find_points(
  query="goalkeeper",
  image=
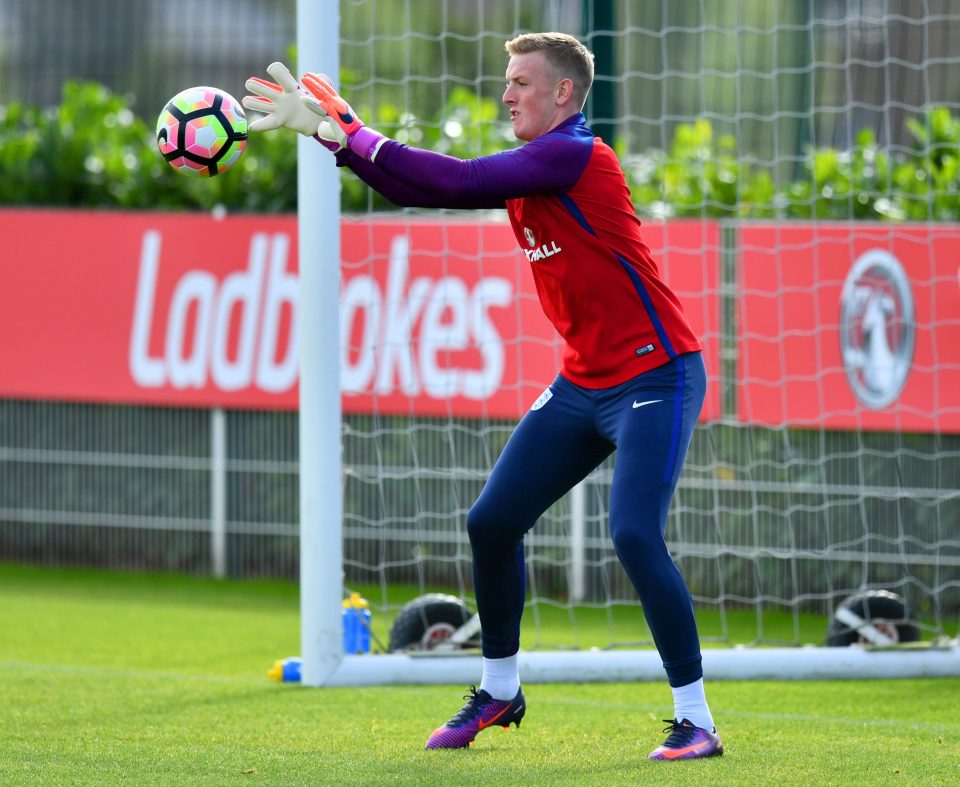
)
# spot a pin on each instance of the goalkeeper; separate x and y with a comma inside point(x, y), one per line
point(632, 377)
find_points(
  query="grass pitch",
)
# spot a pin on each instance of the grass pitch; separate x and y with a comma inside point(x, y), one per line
point(144, 679)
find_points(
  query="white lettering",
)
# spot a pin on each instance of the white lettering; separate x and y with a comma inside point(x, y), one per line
point(542, 252)
point(488, 293)
point(403, 308)
point(360, 299)
point(241, 289)
point(282, 287)
point(402, 337)
point(189, 370)
point(439, 337)
point(147, 371)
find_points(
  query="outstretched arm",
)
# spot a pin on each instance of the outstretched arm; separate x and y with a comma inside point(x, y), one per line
point(551, 163)
point(281, 107)
point(402, 193)
point(407, 176)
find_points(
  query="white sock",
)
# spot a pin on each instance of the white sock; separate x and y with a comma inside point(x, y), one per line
point(690, 702)
point(501, 678)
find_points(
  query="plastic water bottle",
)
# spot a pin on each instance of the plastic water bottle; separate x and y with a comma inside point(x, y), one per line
point(356, 624)
point(286, 670)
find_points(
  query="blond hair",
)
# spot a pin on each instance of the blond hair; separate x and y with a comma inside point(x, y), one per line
point(566, 55)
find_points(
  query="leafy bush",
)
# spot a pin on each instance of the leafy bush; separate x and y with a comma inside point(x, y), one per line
point(700, 176)
point(92, 151)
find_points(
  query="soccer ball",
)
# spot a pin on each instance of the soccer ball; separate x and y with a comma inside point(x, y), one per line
point(202, 131)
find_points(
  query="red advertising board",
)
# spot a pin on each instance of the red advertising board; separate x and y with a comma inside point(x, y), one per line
point(437, 317)
point(850, 326)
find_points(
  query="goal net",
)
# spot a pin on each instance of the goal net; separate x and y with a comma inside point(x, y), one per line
point(795, 168)
point(794, 165)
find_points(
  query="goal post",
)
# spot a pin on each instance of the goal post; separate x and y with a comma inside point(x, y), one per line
point(318, 232)
point(826, 460)
point(810, 663)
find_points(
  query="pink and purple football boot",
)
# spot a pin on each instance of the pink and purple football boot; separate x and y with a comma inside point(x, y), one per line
point(687, 742)
point(480, 712)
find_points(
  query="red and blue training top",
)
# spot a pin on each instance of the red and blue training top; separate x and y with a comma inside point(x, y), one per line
point(571, 212)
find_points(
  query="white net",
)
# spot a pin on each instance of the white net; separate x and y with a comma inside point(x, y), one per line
point(795, 165)
point(827, 458)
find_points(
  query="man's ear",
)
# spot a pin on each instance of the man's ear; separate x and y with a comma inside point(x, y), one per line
point(564, 91)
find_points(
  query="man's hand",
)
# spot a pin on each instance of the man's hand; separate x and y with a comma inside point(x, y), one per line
point(340, 124)
point(332, 104)
point(280, 103)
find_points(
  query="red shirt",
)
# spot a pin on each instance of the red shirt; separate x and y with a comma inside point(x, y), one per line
point(570, 209)
point(596, 280)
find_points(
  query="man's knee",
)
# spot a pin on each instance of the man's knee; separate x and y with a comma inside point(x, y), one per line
point(636, 540)
point(638, 536)
point(491, 525)
point(479, 523)
point(639, 511)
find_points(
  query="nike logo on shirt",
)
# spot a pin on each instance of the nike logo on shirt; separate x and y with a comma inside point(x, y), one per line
point(637, 404)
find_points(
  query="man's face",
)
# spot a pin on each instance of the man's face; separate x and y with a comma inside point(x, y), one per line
point(531, 95)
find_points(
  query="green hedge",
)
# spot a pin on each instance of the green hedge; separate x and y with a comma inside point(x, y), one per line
point(92, 151)
point(703, 176)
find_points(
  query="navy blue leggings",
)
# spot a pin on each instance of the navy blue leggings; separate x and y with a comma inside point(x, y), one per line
point(649, 420)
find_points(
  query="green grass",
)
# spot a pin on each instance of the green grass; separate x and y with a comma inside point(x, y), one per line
point(156, 679)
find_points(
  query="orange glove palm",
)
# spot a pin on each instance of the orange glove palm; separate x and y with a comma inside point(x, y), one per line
point(332, 103)
point(340, 124)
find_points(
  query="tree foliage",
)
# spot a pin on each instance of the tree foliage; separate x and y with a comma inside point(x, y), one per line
point(92, 151)
point(705, 176)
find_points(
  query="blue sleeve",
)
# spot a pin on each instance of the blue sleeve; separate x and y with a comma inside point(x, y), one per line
point(551, 163)
point(402, 193)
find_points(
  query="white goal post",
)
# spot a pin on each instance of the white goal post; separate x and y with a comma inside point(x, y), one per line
point(808, 663)
point(836, 500)
point(321, 506)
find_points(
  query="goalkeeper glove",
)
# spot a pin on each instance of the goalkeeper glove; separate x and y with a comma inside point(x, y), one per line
point(280, 104)
point(339, 123)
